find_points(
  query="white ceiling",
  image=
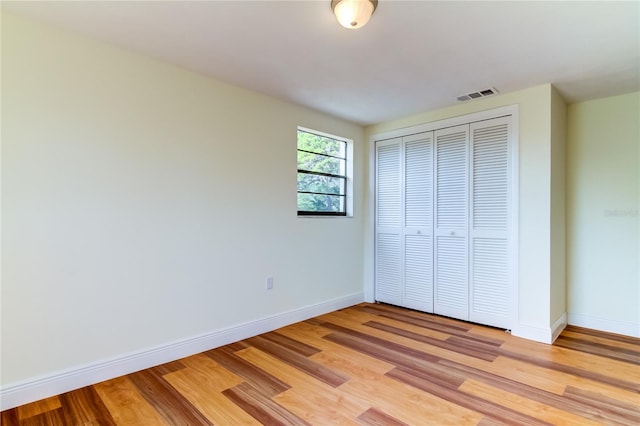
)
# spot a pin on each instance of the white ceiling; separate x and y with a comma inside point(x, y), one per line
point(413, 56)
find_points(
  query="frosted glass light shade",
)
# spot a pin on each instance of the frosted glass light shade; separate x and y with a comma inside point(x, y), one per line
point(353, 14)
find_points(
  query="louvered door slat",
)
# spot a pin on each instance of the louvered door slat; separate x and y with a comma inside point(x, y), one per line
point(388, 272)
point(489, 174)
point(451, 207)
point(418, 286)
point(452, 288)
point(388, 182)
point(418, 182)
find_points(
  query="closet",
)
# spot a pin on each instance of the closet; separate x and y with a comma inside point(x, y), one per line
point(443, 212)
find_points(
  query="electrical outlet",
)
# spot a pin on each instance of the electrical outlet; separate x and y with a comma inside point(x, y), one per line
point(269, 283)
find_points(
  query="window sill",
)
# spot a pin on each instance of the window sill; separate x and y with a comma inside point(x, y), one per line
point(320, 216)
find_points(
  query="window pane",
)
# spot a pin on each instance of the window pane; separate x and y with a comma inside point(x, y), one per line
point(320, 203)
point(323, 184)
point(320, 163)
point(321, 144)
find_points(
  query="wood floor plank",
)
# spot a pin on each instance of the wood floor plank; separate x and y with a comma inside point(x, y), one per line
point(374, 417)
point(84, 406)
point(525, 405)
point(533, 393)
point(301, 362)
point(259, 379)
point(348, 319)
point(10, 417)
point(495, 334)
point(433, 323)
point(390, 352)
point(202, 384)
point(260, 407)
point(439, 324)
point(304, 403)
point(461, 346)
point(409, 404)
point(310, 330)
point(168, 367)
point(341, 359)
point(384, 309)
point(280, 369)
point(559, 358)
point(605, 335)
point(354, 365)
point(411, 353)
point(39, 407)
point(552, 380)
point(237, 346)
point(602, 340)
point(413, 328)
point(630, 412)
point(210, 372)
point(405, 342)
point(54, 417)
point(608, 351)
point(305, 390)
point(489, 421)
point(168, 402)
point(588, 370)
point(489, 352)
point(532, 375)
point(125, 403)
point(453, 395)
point(313, 321)
point(291, 344)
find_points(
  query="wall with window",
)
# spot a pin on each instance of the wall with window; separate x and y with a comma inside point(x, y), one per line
point(603, 241)
point(143, 204)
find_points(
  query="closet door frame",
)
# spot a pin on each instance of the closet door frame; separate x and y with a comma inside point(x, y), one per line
point(510, 110)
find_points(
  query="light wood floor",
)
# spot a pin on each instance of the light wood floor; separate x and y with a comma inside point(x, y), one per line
point(370, 365)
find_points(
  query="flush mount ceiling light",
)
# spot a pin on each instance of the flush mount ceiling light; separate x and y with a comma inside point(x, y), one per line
point(353, 14)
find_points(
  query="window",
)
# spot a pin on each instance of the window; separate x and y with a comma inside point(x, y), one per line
point(322, 174)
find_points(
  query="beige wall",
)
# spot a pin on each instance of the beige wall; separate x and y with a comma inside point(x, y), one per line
point(602, 214)
point(535, 109)
point(144, 204)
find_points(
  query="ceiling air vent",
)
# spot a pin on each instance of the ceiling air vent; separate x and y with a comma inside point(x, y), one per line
point(480, 94)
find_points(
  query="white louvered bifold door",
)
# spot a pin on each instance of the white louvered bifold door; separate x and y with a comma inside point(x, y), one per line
point(490, 211)
point(388, 245)
point(451, 281)
point(418, 222)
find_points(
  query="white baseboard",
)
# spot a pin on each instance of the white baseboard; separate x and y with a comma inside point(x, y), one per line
point(74, 378)
point(612, 326)
point(540, 334)
point(531, 332)
point(558, 326)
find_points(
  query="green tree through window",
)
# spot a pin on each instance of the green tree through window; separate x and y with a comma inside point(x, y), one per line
point(322, 179)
